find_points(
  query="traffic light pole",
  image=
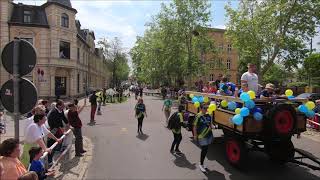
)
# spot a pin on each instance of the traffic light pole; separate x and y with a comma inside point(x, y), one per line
point(16, 112)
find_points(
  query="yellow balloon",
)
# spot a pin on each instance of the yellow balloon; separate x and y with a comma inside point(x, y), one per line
point(191, 96)
point(205, 99)
point(310, 105)
point(237, 111)
point(224, 103)
point(212, 107)
point(252, 94)
point(196, 104)
point(289, 92)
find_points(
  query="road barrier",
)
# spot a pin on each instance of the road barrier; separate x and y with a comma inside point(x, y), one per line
point(314, 123)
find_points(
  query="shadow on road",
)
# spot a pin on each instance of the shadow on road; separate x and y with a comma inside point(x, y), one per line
point(183, 162)
point(212, 174)
point(258, 165)
point(66, 168)
point(142, 137)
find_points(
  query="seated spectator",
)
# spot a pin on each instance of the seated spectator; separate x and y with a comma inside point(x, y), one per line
point(277, 94)
point(212, 88)
point(224, 88)
point(267, 93)
point(10, 165)
point(34, 135)
point(244, 88)
point(36, 164)
point(317, 108)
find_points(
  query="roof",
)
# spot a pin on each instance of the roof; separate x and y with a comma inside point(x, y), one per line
point(38, 16)
point(81, 34)
point(62, 3)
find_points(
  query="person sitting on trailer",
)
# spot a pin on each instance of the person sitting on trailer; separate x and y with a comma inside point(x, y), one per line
point(277, 94)
point(224, 88)
point(268, 92)
point(244, 88)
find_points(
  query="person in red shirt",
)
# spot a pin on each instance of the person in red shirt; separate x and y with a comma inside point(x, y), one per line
point(75, 122)
point(212, 88)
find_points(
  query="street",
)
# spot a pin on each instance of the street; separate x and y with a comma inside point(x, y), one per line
point(120, 154)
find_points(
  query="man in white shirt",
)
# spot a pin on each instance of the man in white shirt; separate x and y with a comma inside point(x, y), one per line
point(251, 78)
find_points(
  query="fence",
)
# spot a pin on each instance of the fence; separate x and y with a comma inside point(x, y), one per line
point(315, 122)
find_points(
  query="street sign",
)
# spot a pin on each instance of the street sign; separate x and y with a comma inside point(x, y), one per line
point(27, 95)
point(27, 57)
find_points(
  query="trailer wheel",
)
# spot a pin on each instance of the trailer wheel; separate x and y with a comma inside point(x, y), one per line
point(280, 152)
point(283, 118)
point(236, 151)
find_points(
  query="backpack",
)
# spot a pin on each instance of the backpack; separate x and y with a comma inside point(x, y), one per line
point(174, 121)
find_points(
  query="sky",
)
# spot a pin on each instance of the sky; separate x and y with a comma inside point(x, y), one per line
point(126, 19)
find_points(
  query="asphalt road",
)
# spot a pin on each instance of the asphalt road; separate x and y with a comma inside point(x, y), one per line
point(119, 153)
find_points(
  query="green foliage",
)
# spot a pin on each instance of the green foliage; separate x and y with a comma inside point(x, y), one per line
point(312, 67)
point(268, 32)
point(276, 75)
point(173, 43)
point(116, 60)
point(298, 84)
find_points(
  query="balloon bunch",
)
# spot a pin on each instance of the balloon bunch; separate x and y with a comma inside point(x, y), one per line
point(211, 108)
point(196, 100)
point(289, 93)
point(249, 106)
point(307, 109)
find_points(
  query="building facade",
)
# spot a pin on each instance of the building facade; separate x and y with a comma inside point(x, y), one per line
point(68, 62)
point(225, 61)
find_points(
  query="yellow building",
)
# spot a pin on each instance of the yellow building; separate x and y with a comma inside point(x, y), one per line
point(225, 61)
point(67, 60)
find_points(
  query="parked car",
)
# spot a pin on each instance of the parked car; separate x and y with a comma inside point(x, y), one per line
point(311, 96)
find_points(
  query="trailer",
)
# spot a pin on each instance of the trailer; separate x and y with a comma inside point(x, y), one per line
point(272, 135)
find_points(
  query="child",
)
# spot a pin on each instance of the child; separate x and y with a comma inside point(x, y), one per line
point(224, 88)
point(36, 165)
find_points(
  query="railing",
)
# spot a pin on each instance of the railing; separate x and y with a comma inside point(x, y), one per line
point(54, 145)
point(315, 125)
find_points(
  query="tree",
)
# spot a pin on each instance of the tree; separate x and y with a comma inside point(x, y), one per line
point(172, 45)
point(276, 75)
point(312, 65)
point(268, 32)
point(116, 59)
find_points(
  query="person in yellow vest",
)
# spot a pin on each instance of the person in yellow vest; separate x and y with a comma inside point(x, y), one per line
point(99, 95)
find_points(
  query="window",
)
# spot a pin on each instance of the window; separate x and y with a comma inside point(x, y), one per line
point(78, 83)
point(78, 54)
point(212, 77)
point(64, 52)
point(64, 20)
point(211, 65)
point(27, 16)
point(229, 48)
point(228, 63)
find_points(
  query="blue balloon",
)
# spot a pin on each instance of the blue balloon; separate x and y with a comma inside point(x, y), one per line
point(250, 104)
point(310, 114)
point(244, 112)
point(244, 97)
point(237, 119)
point(303, 108)
point(201, 99)
point(291, 97)
point(195, 99)
point(232, 106)
point(258, 116)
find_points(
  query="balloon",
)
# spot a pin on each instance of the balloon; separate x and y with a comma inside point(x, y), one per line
point(290, 97)
point(237, 119)
point(206, 99)
point(191, 96)
point(224, 103)
point(244, 97)
point(303, 108)
point(212, 107)
point(250, 104)
point(232, 106)
point(258, 116)
point(244, 112)
point(310, 114)
point(201, 99)
point(237, 111)
point(289, 92)
point(257, 109)
point(196, 104)
point(195, 99)
point(310, 105)
point(252, 94)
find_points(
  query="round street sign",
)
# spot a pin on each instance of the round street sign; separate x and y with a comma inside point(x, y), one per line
point(27, 98)
point(27, 57)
